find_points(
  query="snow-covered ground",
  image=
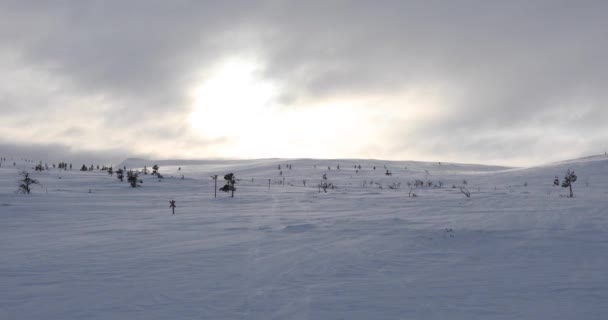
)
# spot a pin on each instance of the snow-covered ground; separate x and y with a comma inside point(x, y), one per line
point(517, 249)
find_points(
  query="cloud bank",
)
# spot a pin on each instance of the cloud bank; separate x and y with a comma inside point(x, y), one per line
point(517, 83)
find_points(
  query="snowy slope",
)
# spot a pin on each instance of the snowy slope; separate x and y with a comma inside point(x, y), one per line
point(517, 249)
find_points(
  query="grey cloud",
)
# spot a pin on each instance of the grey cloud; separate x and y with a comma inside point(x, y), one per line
point(73, 131)
point(510, 65)
point(54, 153)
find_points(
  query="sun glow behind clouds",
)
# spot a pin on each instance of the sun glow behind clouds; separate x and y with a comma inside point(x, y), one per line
point(238, 107)
point(232, 101)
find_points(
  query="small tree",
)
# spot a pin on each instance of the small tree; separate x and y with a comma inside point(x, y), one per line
point(26, 182)
point(84, 168)
point(155, 169)
point(325, 184)
point(172, 205)
point(230, 184)
point(556, 181)
point(569, 179)
point(133, 178)
point(120, 174)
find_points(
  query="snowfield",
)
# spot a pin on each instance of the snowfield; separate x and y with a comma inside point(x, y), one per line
point(517, 249)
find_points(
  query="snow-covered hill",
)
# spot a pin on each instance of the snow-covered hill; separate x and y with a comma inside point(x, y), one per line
point(86, 246)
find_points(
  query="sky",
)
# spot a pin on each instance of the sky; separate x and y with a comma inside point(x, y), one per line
point(498, 82)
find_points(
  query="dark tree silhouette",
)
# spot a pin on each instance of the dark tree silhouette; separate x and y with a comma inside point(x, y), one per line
point(133, 178)
point(230, 184)
point(26, 182)
point(569, 179)
point(324, 184)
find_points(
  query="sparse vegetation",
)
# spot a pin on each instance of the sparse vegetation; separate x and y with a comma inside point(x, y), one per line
point(324, 184)
point(26, 182)
point(133, 179)
point(230, 184)
point(569, 179)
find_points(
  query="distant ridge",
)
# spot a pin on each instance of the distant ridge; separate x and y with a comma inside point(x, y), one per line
point(140, 163)
point(598, 157)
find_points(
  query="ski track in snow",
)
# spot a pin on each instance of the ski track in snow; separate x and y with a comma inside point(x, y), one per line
point(356, 252)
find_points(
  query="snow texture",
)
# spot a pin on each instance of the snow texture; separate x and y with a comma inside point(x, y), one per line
point(86, 246)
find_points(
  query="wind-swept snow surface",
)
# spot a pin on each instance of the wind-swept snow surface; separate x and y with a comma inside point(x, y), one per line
point(517, 249)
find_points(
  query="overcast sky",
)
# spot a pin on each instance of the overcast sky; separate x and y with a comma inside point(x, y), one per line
point(500, 82)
